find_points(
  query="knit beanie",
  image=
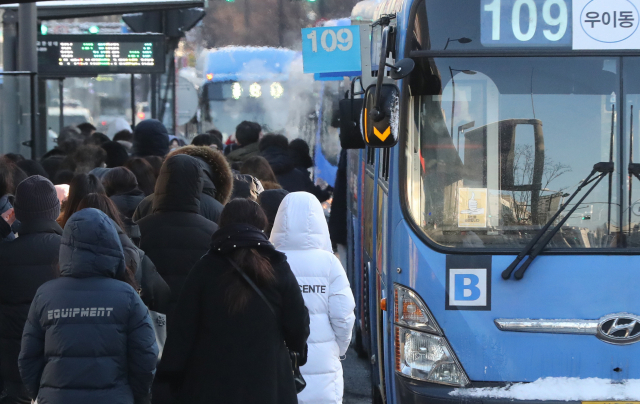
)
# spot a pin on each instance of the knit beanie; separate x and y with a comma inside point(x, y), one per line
point(150, 138)
point(36, 198)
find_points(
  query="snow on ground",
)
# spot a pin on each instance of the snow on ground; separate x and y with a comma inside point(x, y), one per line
point(561, 389)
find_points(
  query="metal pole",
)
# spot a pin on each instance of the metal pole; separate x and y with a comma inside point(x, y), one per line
point(613, 126)
point(173, 98)
point(28, 61)
point(36, 144)
point(630, 177)
point(10, 111)
point(453, 100)
point(61, 91)
point(154, 95)
point(133, 100)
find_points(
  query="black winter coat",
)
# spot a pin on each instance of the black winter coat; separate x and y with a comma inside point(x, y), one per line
point(175, 236)
point(289, 177)
point(127, 202)
point(154, 291)
point(338, 218)
point(26, 263)
point(216, 187)
point(88, 337)
point(212, 356)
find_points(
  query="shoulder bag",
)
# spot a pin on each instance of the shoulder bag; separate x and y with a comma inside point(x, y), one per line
point(295, 356)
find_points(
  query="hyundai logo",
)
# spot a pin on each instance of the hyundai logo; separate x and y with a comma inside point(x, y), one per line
point(619, 329)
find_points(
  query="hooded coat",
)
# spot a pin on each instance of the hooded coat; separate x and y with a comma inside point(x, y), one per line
point(150, 138)
point(88, 336)
point(154, 291)
point(175, 236)
point(213, 356)
point(127, 202)
point(326, 291)
point(27, 262)
point(216, 188)
point(289, 177)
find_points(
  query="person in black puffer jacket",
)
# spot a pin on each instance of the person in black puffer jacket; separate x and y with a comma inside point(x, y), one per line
point(150, 138)
point(274, 148)
point(121, 186)
point(270, 201)
point(154, 291)
point(217, 182)
point(175, 236)
point(225, 345)
point(27, 263)
point(100, 343)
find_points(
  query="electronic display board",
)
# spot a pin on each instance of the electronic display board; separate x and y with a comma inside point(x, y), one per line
point(90, 55)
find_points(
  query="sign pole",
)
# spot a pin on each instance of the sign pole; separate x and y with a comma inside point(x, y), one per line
point(28, 61)
point(133, 100)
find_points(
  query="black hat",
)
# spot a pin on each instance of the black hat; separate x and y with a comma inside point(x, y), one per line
point(150, 138)
point(36, 198)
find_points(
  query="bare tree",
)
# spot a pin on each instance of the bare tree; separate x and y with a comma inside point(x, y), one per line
point(523, 167)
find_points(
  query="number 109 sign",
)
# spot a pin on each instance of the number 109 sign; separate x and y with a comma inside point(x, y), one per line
point(331, 49)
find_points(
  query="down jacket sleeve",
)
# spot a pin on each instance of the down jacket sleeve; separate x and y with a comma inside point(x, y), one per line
point(31, 360)
point(142, 350)
point(341, 306)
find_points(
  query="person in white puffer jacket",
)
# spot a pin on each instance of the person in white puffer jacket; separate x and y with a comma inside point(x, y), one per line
point(300, 231)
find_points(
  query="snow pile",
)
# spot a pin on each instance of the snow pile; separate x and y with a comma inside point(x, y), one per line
point(561, 389)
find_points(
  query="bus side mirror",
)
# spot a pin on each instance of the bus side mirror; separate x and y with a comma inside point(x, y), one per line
point(402, 68)
point(381, 132)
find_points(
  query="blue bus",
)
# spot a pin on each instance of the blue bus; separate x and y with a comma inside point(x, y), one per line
point(494, 214)
point(254, 84)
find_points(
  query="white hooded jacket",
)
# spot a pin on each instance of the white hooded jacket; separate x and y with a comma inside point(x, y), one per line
point(300, 231)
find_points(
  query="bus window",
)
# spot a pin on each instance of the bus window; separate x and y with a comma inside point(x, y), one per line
point(498, 150)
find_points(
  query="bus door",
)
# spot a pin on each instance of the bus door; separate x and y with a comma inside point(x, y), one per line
point(379, 316)
point(355, 197)
point(367, 251)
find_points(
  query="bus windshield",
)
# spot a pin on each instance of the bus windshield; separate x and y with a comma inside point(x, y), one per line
point(497, 151)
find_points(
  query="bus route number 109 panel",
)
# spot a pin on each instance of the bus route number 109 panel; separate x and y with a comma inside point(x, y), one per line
point(574, 24)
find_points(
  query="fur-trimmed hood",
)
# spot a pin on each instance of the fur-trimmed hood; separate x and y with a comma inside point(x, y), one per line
point(219, 173)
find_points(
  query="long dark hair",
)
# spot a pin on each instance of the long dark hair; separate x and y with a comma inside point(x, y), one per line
point(104, 204)
point(254, 264)
point(81, 186)
point(119, 180)
point(258, 167)
point(144, 174)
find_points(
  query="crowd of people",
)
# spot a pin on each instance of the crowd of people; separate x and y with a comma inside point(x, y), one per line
point(137, 269)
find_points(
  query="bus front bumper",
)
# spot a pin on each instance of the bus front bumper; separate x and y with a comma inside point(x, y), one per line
point(414, 392)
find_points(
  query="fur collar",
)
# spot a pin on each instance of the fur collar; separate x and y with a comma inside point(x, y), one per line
point(222, 176)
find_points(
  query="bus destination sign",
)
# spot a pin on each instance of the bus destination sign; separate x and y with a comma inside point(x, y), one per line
point(81, 55)
point(576, 24)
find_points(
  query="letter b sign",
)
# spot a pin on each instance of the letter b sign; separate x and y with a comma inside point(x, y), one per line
point(468, 289)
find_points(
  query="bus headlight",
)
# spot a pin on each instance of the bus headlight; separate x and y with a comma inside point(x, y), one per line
point(236, 90)
point(422, 351)
point(255, 90)
point(276, 90)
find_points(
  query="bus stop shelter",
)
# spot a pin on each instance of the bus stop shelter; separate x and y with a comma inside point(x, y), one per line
point(22, 97)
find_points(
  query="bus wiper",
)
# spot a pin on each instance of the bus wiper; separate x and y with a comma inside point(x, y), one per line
point(542, 238)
